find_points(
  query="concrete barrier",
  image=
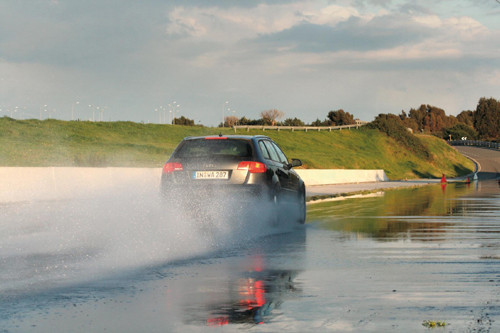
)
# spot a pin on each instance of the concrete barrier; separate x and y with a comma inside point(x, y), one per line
point(340, 176)
point(52, 183)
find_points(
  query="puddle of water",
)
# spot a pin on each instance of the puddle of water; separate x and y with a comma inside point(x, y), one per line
point(418, 213)
point(411, 255)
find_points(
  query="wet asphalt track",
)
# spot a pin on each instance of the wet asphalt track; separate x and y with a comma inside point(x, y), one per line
point(488, 159)
point(385, 263)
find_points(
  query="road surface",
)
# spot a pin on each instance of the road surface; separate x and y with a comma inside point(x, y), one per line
point(488, 160)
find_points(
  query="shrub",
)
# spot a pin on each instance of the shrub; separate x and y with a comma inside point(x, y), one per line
point(293, 122)
point(394, 127)
point(459, 131)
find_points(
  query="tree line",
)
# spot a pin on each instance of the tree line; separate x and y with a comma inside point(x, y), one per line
point(483, 123)
point(272, 118)
point(480, 124)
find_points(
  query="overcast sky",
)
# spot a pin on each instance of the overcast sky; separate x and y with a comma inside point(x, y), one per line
point(305, 58)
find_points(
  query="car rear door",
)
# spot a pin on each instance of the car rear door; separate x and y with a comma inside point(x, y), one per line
point(292, 178)
point(281, 167)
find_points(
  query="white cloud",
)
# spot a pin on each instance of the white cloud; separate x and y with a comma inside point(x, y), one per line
point(464, 26)
point(281, 29)
point(232, 24)
point(330, 15)
point(183, 24)
point(432, 21)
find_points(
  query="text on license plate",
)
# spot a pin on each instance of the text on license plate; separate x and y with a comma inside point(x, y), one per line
point(211, 175)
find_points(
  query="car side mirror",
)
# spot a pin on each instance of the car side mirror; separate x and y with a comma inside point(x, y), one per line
point(295, 163)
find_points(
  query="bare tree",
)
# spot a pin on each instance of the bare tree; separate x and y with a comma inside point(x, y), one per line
point(270, 116)
point(230, 121)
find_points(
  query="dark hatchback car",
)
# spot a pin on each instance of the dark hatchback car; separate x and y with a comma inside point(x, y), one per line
point(241, 167)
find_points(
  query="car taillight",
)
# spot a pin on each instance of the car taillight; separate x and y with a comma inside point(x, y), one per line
point(252, 167)
point(172, 166)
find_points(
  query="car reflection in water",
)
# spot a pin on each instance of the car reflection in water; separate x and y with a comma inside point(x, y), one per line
point(250, 291)
point(257, 295)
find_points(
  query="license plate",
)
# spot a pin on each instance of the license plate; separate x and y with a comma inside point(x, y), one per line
point(211, 175)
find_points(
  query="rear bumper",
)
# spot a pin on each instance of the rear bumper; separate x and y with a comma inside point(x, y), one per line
point(210, 192)
point(206, 203)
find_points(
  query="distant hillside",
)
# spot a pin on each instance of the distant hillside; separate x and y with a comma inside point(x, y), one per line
point(127, 144)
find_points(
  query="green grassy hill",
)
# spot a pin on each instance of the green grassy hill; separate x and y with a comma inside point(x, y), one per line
point(126, 144)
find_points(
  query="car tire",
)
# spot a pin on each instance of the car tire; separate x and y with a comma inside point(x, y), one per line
point(301, 207)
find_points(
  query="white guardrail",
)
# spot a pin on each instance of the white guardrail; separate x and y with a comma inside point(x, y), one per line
point(475, 143)
point(51, 183)
point(299, 128)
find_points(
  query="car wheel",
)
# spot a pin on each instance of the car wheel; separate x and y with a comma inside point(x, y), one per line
point(301, 207)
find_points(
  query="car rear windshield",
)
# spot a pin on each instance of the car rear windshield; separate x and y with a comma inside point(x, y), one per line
point(213, 148)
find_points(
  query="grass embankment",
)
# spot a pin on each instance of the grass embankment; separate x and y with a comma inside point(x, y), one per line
point(126, 144)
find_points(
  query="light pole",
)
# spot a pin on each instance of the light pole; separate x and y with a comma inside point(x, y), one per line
point(73, 110)
point(163, 110)
point(223, 110)
point(14, 110)
point(93, 107)
point(53, 111)
point(101, 114)
point(172, 109)
point(44, 107)
point(234, 115)
point(177, 108)
point(22, 112)
point(159, 116)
